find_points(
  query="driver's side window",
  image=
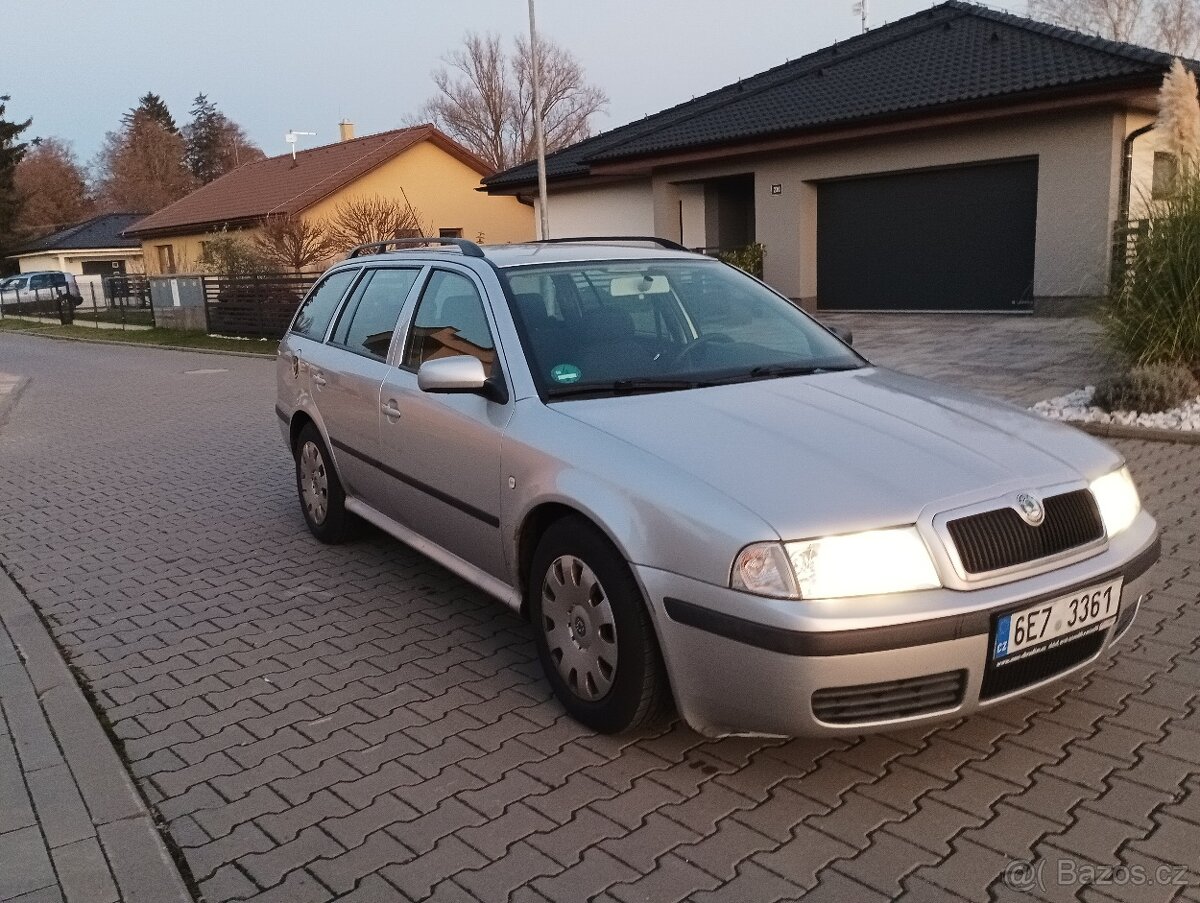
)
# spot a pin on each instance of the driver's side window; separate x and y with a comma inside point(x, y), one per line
point(450, 320)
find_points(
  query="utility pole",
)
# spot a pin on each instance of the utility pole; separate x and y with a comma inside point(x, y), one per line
point(538, 133)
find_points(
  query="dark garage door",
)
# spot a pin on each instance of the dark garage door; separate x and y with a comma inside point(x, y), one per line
point(960, 238)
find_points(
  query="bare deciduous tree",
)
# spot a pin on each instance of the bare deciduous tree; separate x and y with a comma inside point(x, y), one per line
point(1177, 27)
point(372, 218)
point(485, 101)
point(293, 242)
point(52, 186)
point(141, 168)
point(1170, 25)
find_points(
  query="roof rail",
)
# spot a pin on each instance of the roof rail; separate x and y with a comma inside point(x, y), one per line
point(468, 248)
point(651, 239)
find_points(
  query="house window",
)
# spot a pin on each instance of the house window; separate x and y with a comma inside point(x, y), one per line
point(166, 258)
point(408, 233)
point(1166, 176)
point(449, 233)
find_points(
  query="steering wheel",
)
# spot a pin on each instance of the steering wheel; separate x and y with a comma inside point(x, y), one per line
point(703, 341)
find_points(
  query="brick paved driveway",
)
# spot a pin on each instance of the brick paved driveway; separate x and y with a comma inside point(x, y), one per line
point(314, 722)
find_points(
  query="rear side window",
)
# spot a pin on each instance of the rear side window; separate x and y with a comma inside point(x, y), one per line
point(318, 308)
point(367, 324)
point(450, 320)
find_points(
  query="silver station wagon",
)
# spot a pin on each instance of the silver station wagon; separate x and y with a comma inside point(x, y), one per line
point(697, 494)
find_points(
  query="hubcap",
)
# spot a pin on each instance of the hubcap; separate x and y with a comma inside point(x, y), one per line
point(314, 483)
point(579, 626)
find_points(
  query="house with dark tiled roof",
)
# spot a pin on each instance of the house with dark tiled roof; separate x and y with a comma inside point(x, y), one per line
point(94, 247)
point(957, 159)
point(419, 165)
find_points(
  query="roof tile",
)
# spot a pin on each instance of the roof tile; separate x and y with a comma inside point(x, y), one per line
point(952, 54)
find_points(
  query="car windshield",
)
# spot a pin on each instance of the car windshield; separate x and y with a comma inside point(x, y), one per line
point(612, 327)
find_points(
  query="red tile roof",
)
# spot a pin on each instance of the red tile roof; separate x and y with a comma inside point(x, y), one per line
point(281, 185)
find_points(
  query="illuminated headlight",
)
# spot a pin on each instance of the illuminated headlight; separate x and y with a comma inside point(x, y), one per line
point(1117, 499)
point(854, 564)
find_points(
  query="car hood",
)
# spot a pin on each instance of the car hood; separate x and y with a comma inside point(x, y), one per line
point(838, 452)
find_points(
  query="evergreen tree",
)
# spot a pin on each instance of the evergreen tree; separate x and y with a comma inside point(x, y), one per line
point(203, 140)
point(215, 144)
point(152, 107)
point(12, 151)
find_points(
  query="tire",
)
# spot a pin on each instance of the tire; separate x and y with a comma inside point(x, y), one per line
point(322, 499)
point(593, 633)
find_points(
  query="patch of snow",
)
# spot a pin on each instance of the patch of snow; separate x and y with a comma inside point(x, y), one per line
point(1077, 406)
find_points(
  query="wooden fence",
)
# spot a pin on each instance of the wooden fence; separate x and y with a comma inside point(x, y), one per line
point(258, 307)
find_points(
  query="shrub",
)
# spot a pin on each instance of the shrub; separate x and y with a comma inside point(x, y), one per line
point(1150, 389)
point(749, 258)
point(229, 254)
point(1153, 315)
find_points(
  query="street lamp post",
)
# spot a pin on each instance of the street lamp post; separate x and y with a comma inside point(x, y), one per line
point(538, 133)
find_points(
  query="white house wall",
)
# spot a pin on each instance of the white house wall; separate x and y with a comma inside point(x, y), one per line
point(1078, 176)
point(73, 261)
point(625, 208)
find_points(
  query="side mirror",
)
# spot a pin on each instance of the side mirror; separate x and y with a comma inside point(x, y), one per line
point(460, 374)
point(844, 334)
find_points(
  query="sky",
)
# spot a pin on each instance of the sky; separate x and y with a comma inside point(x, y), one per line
point(272, 65)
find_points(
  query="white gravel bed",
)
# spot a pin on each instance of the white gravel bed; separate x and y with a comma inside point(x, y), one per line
point(1077, 406)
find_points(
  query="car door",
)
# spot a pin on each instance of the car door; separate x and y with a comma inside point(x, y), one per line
point(444, 449)
point(348, 371)
point(302, 350)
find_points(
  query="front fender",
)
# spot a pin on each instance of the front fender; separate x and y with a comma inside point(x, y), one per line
point(655, 514)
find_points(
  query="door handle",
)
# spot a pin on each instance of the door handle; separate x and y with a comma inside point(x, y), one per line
point(390, 410)
point(318, 379)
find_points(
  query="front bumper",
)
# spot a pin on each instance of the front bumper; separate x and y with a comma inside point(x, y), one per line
point(747, 665)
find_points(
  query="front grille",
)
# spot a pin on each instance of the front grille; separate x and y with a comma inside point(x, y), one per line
point(1039, 665)
point(890, 699)
point(997, 539)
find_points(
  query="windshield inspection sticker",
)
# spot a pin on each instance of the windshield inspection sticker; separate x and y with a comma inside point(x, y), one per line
point(565, 373)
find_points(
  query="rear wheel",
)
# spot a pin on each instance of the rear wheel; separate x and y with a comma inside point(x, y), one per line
point(593, 633)
point(322, 499)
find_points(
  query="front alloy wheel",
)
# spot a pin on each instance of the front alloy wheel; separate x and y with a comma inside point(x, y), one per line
point(580, 631)
point(592, 629)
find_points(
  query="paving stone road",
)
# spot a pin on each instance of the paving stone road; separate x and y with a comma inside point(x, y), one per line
point(353, 722)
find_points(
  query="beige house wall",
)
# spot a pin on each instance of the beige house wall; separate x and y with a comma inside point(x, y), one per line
point(441, 188)
point(443, 191)
point(1079, 165)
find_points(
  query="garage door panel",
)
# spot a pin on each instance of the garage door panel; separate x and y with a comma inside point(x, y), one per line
point(959, 238)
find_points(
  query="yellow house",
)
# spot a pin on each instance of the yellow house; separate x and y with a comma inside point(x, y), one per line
point(437, 176)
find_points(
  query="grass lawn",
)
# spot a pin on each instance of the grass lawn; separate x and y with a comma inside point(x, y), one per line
point(179, 338)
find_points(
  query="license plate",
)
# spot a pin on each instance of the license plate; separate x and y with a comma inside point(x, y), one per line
point(1052, 622)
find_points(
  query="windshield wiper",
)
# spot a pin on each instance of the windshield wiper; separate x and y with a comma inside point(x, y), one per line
point(628, 387)
point(772, 370)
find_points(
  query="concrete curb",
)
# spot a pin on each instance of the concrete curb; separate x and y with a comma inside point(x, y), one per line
point(1149, 434)
point(137, 856)
point(69, 338)
point(10, 393)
